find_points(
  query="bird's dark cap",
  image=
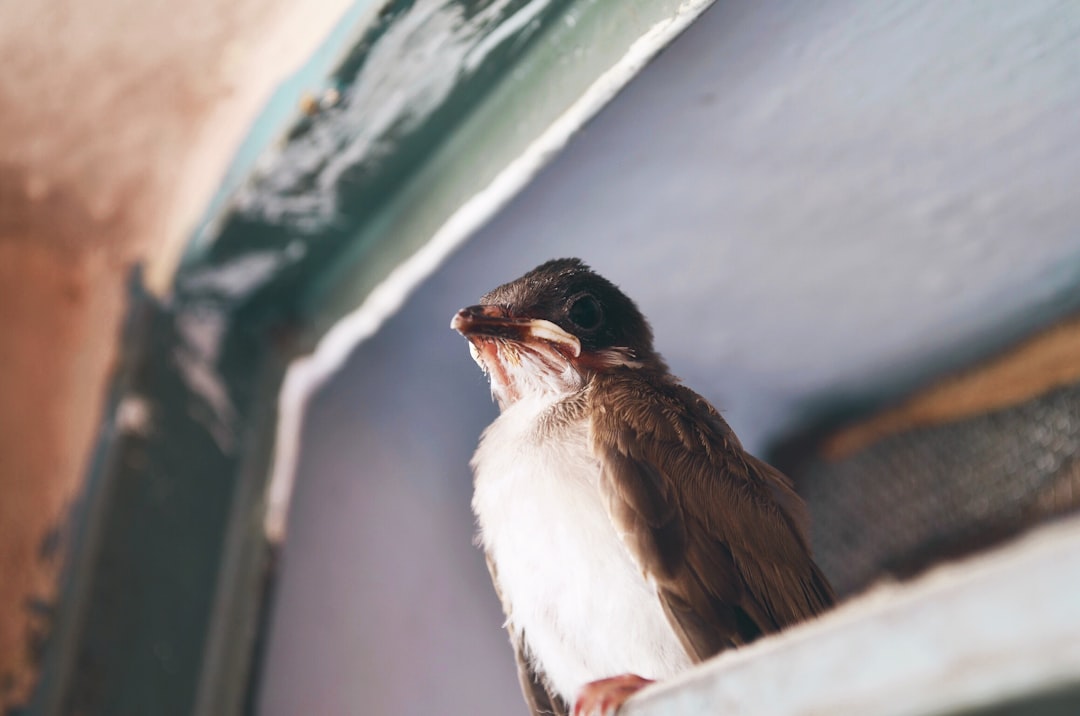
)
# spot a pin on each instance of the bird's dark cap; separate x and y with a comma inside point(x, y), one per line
point(582, 303)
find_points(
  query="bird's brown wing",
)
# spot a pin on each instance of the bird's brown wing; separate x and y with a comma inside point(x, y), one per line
point(717, 529)
point(541, 700)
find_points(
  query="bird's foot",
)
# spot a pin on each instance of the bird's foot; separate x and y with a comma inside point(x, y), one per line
point(606, 696)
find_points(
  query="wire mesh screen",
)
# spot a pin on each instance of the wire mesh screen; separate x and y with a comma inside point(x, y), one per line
point(919, 497)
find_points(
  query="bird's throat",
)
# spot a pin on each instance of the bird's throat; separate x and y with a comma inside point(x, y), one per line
point(517, 370)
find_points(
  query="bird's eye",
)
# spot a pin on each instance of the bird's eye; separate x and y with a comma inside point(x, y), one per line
point(585, 312)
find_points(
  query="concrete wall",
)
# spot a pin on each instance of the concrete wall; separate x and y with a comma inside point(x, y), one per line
point(116, 120)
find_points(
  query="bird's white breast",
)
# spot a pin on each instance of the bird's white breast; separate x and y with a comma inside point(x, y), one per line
point(568, 582)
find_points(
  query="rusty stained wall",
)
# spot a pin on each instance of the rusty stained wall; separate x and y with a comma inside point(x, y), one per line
point(116, 119)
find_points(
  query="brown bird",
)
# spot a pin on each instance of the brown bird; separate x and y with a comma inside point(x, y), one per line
point(628, 533)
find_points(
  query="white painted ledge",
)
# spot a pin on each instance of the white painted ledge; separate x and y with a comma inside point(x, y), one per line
point(995, 627)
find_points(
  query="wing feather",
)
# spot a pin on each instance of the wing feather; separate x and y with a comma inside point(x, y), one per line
point(719, 531)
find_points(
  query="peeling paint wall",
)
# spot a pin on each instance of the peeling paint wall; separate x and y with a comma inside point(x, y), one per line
point(116, 120)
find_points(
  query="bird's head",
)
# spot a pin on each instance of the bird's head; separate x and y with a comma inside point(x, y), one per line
point(553, 330)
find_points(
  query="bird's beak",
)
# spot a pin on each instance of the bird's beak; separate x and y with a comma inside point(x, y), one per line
point(493, 322)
